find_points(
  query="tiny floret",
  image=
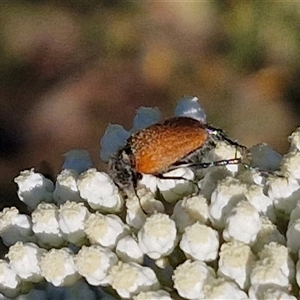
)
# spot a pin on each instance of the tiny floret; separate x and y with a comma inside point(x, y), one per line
point(11, 284)
point(34, 188)
point(58, 267)
point(158, 236)
point(24, 260)
point(223, 289)
point(236, 262)
point(99, 191)
point(189, 211)
point(274, 266)
point(285, 192)
point(190, 279)
point(129, 250)
point(242, 224)
point(175, 189)
point(94, 263)
point(71, 220)
point(294, 140)
point(46, 226)
point(227, 194)
point(66, 187)
point(129, 279)
point(263, 204)
point(270, 291)
point(224, 151)
point(105, 230)
point(290, 165)
point(15, 227)
point(200, 242)
point(267, 234)
point(293, 236)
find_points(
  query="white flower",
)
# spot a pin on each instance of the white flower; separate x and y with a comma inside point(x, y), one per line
point(264, 157)
point(221, 289)
point(113, 139)
point(105, 230)
point(153, 295)
point(71, 220)
point(263, 204)
point(200, 242)
point(236, 262)
point(129, 279)
point(24, 260)
point(228, 193)
point(78, 160)
point(58, 267)
point(242, 224)
point(249, 207)
point(94, 263)
point(267, 234)
point(158, 236)
point(274, 266)
point(190, 210)
point(129, 250)
point(294, 140)
point(15, 227)
point(285, 193)
point(10, 283)
point(66, 187)
point(99, 191)
point(34, 188)
point(190, 279)
point(173, 190)
point(46, 226)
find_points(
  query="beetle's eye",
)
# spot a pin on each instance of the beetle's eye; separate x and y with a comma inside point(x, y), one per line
point(139, 176)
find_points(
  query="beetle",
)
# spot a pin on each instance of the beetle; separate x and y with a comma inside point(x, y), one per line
point(164, 146)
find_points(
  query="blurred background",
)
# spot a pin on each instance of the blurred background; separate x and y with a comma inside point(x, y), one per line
point(68, 68)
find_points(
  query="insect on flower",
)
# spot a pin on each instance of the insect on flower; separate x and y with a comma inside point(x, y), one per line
point(162, 147)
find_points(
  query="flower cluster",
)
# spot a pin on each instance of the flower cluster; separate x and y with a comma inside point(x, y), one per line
point(225, 232)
